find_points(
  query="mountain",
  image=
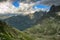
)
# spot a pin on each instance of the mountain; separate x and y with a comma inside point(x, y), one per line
point(54, 10)
point(7, 15)
point(10, 33)
point(23, 22)
point(49, 28)
point(40, 25)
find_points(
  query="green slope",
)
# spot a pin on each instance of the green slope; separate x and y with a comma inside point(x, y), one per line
point(10, 33)
point(48, 29)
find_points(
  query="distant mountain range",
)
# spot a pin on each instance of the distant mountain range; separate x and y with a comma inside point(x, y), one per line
point(35, 26)
point(49, 27)
point(22, 22)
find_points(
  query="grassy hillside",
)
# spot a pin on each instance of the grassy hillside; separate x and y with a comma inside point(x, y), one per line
point(10, 33)
point(48, 29)
point(37, 26)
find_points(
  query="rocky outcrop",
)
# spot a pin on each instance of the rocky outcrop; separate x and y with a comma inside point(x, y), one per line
point(54, 11)
point(55, 8)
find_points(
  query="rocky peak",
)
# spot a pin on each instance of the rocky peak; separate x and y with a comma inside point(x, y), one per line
point(55, 8)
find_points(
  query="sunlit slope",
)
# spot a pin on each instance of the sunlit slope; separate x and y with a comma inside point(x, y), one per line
point(49, 30)
point(10, 33)
point(46, 29)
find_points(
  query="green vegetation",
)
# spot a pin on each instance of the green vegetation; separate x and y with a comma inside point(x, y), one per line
point(48, 29)
point(44, 26)
point(10, 33)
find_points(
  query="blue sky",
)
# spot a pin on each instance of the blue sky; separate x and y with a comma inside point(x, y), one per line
point(36, 6)
point(41, 6)
point(16, 3)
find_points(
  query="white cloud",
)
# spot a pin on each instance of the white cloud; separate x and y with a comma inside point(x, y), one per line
point(50, 2)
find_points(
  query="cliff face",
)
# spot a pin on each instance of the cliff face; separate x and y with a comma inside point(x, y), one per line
point(54, 11)
point(55, 8)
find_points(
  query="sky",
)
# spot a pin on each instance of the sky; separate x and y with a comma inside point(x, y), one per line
point(42, 7)
point(37, 6)
point(50, 2)
point(16, 4)
point(46, 2)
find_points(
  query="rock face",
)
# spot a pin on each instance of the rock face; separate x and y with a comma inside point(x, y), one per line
point(55, 8)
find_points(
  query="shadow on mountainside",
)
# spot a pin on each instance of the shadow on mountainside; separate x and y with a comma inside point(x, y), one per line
point(23, 22)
